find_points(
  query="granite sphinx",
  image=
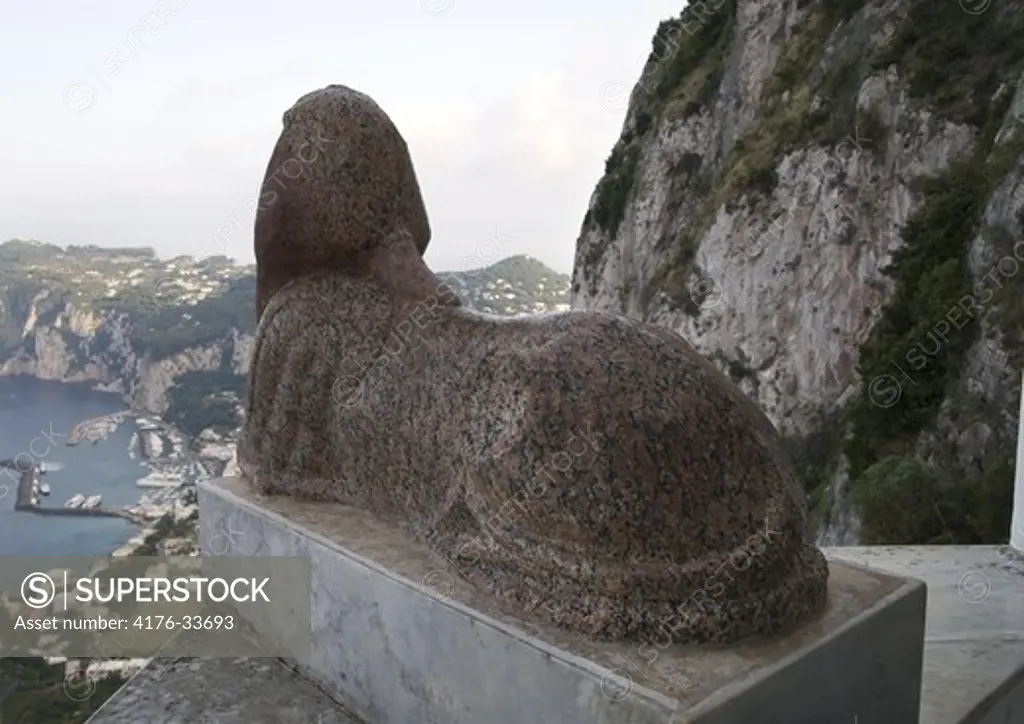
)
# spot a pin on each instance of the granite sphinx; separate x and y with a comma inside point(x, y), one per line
point(588, 469)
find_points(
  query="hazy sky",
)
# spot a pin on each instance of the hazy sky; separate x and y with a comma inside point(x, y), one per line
point(133, 122)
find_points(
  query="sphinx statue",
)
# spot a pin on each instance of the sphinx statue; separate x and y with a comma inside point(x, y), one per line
point(588, 469)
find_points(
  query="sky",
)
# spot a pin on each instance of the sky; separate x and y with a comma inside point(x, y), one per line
point(150, 123)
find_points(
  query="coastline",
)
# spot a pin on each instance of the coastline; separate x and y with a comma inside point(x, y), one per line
point(166, 513)
point(173, 461)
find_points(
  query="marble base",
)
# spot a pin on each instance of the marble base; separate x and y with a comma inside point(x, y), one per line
point(220, 691)
point(399, 636)
point(974, 632)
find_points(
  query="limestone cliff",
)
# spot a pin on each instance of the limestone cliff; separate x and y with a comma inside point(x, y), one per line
point(827, 199)
point(75, 345)
point(122, 318)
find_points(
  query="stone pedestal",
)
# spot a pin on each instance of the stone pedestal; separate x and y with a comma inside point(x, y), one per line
point(399, 637)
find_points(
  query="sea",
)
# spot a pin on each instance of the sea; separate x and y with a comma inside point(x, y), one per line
point(35, 419)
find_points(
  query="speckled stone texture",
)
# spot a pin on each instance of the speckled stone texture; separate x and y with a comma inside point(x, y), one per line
point(591, 470)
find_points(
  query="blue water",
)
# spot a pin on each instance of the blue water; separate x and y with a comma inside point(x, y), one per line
point(35, 418)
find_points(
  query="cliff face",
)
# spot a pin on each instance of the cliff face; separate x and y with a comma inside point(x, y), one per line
point(124, 319)
point(76, 345)
point(826, 199)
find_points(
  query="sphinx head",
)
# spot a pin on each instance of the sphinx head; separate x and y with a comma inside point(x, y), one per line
point(340, 185)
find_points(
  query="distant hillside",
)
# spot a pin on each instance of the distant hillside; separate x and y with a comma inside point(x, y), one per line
point(516, 285)
point(174, 335)
point(39, 282)
point(175, 303)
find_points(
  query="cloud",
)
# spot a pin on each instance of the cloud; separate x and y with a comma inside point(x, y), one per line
point(522, 153)
point(524, 162)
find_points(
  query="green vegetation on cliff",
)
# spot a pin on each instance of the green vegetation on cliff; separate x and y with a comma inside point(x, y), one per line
point(692, 50)
point(681, 76)
point(169, 330)
point(167, 528)
point(810, 99)
point(932, 278)
point(35, 692)
point(1008, 298)
point(206, 399)
point(613, 189)
point(904, 501)
point(915, 356)
point(956, 62)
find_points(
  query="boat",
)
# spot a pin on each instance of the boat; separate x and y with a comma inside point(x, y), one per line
point(75, 501)
point(160, 480)
point(44, 489)
point(93, 501)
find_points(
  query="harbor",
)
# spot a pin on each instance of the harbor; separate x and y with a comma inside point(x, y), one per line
point(172, 464)
point(30, 488)
point(125, 486)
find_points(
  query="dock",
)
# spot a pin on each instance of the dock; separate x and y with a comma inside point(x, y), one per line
point(23, 503)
